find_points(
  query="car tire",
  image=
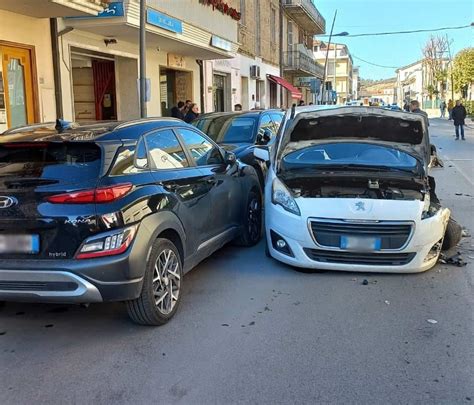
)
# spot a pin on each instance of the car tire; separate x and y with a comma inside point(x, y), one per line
point(162, 286)
point(452, 235)
point(252, 224)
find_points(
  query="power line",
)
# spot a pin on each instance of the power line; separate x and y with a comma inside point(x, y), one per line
point(375, 64)
point(405, 32)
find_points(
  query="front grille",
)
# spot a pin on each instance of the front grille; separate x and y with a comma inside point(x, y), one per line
point(393, 235)
point(373, 259)
point(37, 286)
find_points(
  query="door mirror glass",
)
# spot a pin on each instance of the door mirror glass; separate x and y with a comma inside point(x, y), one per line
point(262, 154)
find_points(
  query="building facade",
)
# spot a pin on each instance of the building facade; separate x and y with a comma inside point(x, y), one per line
point(301, 21)
point(27, 82)
point(339, 70)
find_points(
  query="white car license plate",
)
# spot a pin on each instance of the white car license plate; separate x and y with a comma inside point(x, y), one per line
point(360, 243)
point(19, 244)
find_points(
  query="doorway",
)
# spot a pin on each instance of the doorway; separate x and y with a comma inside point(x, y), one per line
point(175, 86)
point(93, 79)
point(245, 93)
point(17, 98)
point(219, 88)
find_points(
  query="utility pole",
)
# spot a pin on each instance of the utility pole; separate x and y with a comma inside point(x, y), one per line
point(326, 61)
point(143, 110)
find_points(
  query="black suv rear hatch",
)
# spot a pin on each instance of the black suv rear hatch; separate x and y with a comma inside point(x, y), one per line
point(30, 172)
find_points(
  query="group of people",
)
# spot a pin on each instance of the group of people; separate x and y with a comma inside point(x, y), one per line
point(186, 111)
point(456, 111)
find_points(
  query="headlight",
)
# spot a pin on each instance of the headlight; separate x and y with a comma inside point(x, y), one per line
point(281, 196)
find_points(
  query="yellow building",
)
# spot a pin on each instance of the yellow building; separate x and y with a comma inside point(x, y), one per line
point(339, 70)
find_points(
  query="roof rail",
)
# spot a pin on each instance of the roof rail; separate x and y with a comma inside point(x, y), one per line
point(127, 124)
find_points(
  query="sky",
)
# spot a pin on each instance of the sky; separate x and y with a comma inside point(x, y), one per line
point(367, 16)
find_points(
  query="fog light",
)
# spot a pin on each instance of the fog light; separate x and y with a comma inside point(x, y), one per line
point(281, 244)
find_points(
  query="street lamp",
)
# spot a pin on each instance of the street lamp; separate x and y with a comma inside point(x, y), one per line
point(340, 34)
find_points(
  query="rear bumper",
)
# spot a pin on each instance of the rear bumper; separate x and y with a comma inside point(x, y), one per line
point(46, 286)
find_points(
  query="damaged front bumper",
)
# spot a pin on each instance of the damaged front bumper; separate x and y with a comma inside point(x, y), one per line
point(418, 254)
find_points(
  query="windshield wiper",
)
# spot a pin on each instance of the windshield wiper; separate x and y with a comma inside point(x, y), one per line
point(348, 166)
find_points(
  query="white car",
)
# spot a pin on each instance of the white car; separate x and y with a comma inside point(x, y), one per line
point(348, 189)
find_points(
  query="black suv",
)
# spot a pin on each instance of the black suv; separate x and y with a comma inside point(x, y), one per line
point(239, 132)
point(117, 212)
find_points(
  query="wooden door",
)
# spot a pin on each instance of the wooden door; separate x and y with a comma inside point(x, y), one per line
point(18, 81)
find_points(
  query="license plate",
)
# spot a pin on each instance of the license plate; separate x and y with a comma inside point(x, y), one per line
point(360, 243)
point(19, 244)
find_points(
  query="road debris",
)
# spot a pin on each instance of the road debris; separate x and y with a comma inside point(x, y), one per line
point(387, 302)
point(455, 259)
point(432, 321)
point(465, 233)
point(365, 282)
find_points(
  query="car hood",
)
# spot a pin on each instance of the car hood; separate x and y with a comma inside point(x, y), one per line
point(312, 126)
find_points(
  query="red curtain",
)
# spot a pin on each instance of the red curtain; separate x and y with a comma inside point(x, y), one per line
point(104, 78)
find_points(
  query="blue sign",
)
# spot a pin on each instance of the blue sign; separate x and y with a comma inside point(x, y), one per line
point(164, 21)
point(114, 9)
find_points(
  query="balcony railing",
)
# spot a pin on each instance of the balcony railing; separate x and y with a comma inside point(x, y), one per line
point(301, 64)
point(305, 14)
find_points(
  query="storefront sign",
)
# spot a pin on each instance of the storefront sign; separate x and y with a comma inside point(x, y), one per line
point(221, 43)
point(223, 7)
point(176, 61)
point(113, 9)
point(164, 21)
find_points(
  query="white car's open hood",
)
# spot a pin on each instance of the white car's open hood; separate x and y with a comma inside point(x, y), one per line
point(315, 125)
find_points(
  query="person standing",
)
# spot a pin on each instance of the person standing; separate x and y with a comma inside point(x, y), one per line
point(192, 114)
point(177, 111)
point(442, 108)
point(406, 106)
point(459, 115)
point(450, 109)
point(238, 107)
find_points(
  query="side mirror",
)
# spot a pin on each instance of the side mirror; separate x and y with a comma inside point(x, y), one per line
point(230, 158)
point(261, 154)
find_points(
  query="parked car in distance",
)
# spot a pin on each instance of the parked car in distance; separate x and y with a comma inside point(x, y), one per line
point(118, 212)
point(239, 132)
point(348, 189)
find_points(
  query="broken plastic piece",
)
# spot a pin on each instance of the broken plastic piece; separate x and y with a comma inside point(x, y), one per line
point(432, 321)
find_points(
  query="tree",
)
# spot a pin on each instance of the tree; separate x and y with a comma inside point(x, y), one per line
point(435, 62)
point(463, 70)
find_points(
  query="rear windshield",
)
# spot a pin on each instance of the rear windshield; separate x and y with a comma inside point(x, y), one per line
point(233, 129)
point(66, 162)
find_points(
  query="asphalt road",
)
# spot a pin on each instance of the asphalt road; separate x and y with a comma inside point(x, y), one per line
point(251, 330)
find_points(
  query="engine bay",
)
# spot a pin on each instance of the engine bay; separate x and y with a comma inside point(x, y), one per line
point(356, 188)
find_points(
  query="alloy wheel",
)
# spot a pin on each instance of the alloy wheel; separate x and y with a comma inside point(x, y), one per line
point(166, 281)
point(254, 219)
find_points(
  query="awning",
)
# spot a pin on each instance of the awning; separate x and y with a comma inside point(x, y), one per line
point(295, 93)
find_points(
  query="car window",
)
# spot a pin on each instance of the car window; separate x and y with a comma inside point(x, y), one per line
point(124, 163)
point(141, 159)
point(165, 151)
point(277, 119)
point(266, 123)
point(202, 151)
point(237, 130)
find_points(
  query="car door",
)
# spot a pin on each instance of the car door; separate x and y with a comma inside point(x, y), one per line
point(222, 178)
point(185, 184)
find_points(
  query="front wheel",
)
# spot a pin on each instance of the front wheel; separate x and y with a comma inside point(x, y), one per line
point(252, 224)
point(161, 291)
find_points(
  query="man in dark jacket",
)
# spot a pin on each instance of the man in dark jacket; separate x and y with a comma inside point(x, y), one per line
point(177, 111)
point(415, 108)
point(459, 114)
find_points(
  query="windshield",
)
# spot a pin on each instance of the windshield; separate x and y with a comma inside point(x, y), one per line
point(234, 129)
point(347, 155)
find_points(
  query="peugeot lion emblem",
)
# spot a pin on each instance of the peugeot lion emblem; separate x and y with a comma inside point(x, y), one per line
point(7, 202)
point(360, 206)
